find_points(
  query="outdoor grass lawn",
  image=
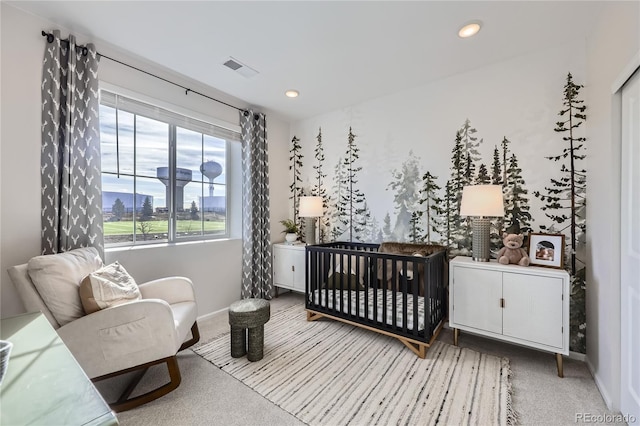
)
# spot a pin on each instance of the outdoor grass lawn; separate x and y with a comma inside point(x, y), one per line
point(125, 227)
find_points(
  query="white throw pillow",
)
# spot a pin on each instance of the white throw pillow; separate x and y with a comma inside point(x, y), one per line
point(106, 287)
point(57, 278)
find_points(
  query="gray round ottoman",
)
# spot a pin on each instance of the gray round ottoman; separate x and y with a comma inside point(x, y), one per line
point(248, 316)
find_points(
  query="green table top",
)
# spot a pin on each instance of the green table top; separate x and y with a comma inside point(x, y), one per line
point(44, 384)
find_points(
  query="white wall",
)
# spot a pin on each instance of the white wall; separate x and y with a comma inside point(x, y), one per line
point(613, 43)
point(215, 267)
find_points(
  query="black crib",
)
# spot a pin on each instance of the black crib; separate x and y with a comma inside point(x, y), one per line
point(375, 287)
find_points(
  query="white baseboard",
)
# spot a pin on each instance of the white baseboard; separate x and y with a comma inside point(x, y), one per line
point(578, 356)
point(601, 388)
point(212, 314)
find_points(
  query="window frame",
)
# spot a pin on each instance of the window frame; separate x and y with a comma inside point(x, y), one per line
point(190, 116)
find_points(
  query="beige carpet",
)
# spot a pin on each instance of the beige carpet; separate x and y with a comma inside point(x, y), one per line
point(329, 373)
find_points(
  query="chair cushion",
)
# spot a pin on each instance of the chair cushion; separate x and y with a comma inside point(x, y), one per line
point(57, 278)
point(108, 286)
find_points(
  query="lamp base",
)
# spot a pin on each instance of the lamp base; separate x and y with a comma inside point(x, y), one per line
point(480, 242)
point(309, 230)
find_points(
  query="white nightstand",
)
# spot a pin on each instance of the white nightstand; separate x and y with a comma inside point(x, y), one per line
point(524, 305)
point(289, 266)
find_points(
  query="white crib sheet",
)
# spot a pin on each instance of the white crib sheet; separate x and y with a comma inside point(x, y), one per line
point(319, 298)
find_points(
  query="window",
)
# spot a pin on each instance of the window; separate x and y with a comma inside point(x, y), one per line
point(164, 175)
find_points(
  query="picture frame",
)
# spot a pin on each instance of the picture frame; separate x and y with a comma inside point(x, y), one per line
point(546, 250)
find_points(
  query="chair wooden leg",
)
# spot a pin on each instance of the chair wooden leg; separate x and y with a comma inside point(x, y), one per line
point(124, 404)
point(132, 385)
point(195, 337)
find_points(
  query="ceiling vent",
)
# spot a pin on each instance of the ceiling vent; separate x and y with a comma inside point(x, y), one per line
point(240, 68)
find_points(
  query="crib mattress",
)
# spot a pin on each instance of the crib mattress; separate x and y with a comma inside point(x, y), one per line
point(342, 304)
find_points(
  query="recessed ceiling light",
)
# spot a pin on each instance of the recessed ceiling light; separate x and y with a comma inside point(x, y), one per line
point(470, 29)
point(292, 93)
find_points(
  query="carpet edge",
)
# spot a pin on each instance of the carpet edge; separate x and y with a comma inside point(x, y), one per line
point(512, 414)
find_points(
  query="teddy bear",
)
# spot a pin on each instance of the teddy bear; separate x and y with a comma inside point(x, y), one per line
point(512, 252)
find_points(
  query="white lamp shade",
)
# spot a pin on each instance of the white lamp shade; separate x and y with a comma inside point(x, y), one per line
point(482, 200)
point(310, 207)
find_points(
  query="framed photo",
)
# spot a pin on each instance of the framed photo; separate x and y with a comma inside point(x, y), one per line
point(546, 250)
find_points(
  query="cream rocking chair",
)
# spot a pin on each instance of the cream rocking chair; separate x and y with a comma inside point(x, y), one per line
point(117, 340)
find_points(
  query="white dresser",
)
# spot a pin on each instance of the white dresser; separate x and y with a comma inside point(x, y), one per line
point(289, 266)
point(524, 305)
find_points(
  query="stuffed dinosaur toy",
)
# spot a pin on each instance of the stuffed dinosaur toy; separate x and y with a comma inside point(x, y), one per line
point(512, 252)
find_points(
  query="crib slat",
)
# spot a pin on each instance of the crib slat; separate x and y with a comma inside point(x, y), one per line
point(417, 279)
point(394, 295)
point(385, 285)
point(371, 299)
point(333, 293)
point(429, 308)
point(404, 288)
point(344, 276)
point(358, 272)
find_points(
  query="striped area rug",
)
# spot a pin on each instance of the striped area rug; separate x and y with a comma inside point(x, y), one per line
point(329, 373)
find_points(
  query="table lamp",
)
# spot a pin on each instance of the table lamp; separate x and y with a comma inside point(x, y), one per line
point(310, 208)
point(481, 202)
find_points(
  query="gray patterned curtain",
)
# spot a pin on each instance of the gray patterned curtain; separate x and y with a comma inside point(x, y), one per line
point(70, 155)
point(256, 246)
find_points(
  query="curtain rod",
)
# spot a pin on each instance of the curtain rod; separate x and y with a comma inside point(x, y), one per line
point(50, 38)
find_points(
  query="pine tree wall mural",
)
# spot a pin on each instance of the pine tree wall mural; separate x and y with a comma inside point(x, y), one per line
point(350, 216)
point(516, 209)
point(415, 229)
point(565, 204)
point(467, 168)
point(456, 232)
point(496, 168)
point(471, 156)
point(496, 179)
point(449, 205)
point(429, 168)
point(505, 154)
point(386, 228)
point(482, 177)
point(367, 224)
point(502, 223)
point(295, 165)
point(405, 185)
point(423, 210)
point(433, 212)
point(319, 190)
point(470, 141)
point(353, 200)
point(338, 211)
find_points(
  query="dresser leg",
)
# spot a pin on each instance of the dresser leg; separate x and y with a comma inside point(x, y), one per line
point(456, 334)
point(559, 363)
